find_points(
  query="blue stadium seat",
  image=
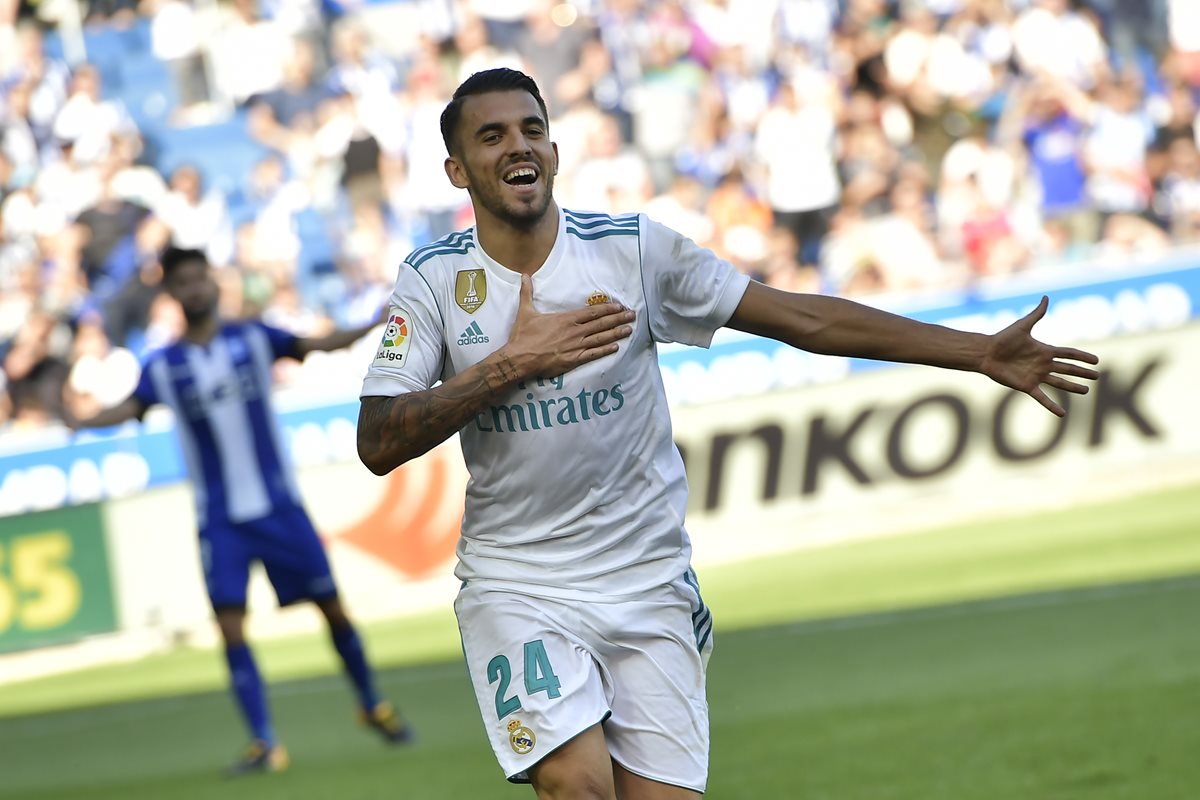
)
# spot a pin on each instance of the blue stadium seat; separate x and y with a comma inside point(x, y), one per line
point(240, 212)
point(137, 36)
point(318, 252)
point(318, 280)
point(105, 47)
point(223, 153)
point(148, 90)
point(107, 39)
point(52, 44)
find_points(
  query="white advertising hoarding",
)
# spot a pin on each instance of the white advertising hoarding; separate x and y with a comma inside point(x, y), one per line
point(896, 449)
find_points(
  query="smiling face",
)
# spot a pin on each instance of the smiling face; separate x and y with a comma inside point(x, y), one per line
point(504, 157)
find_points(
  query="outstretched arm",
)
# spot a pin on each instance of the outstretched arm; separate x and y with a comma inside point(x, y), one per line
point(129, 408)
point(335, 340)
point(393, 430)
point(833, 326)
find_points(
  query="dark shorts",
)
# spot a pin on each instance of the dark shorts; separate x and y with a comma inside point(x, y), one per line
point(288, 547)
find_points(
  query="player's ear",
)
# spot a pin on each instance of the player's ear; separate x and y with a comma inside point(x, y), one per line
point(456, 173)
point(554, 146)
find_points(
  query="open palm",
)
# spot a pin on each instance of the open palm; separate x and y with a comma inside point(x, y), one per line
point(1017, 360)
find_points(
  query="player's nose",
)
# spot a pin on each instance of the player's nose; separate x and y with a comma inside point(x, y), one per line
point(519, 146)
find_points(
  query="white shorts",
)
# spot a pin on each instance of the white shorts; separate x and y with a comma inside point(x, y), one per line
point(545, 670)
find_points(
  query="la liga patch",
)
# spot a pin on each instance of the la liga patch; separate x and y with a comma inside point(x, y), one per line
point(397, 338)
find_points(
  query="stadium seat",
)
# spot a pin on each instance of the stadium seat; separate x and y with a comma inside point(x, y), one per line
point(317, 277)
point(148, 91)
point(52, 44)
point(105, 48)
point(222, 152)
point(317, 249)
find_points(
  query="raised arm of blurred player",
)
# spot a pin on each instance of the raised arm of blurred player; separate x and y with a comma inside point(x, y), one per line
point(337, 339)
point(833, 326)
point(393, 430)
point(130, 408)
point(134, 406)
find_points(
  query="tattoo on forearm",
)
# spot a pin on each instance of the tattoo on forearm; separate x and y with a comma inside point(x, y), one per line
point(508, 370)
point(396, 429)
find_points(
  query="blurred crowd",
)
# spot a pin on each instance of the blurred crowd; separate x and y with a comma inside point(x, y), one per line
point(851, 147)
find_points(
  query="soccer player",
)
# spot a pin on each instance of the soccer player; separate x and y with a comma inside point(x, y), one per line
point(217, 380)
point(582, 622)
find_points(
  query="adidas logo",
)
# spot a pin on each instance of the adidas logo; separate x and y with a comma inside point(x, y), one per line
point(473, 335)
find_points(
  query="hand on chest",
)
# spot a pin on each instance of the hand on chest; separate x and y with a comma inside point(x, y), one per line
point(484, 307)
point(478, 293)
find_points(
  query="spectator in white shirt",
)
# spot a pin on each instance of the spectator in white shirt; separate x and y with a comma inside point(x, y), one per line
point(796, 148)
point(1049, 37)
point(89, 121)
point(1115, 150)
point(681, 209)
point(1180, 195)
point(613, 175)
point(175, 39)
point(197, 219)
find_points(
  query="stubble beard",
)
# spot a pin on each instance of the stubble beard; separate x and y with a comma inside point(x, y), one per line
point(525, 217)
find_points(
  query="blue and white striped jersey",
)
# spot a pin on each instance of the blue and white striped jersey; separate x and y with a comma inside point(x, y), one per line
point(231, 441)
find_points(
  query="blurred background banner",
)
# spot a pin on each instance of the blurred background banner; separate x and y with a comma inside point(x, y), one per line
point(48, 472)
point(55, 578)
point(907, 449)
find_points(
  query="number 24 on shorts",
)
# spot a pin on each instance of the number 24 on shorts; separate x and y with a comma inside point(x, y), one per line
point(539, 677)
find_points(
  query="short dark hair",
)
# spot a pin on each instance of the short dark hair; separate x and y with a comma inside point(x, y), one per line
point(500, 79)
point(174, 257)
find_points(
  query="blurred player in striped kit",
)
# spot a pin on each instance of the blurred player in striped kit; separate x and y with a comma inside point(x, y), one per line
point(217, 380)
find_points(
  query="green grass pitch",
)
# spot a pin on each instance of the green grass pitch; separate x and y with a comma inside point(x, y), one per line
point(1044, 658)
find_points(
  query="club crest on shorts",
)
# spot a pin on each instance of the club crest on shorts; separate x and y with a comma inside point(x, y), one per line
point(520, 737)
point(470, 289)
point(596, 298)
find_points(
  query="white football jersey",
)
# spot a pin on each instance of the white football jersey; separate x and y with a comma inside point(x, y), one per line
point(576, 487)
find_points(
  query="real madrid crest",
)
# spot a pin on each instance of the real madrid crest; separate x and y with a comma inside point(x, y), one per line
point(520, 737)
point(596, 298)
point(470, 289)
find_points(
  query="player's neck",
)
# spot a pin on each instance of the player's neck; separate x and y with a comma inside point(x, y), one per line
point(202, 331)
point(520, 249)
